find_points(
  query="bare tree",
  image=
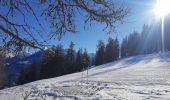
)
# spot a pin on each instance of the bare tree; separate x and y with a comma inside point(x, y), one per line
point(52, 19)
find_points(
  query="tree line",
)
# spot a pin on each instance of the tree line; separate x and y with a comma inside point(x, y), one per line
point(107, 53)
point(56, 62)
point(147, 42)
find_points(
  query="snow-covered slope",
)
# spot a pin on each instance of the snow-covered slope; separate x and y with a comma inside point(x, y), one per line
point(136, 78)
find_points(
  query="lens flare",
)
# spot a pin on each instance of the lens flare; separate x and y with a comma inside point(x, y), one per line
point(162, 8)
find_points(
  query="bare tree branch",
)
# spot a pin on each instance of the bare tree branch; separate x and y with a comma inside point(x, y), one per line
point(18, 38)
point(59, 16)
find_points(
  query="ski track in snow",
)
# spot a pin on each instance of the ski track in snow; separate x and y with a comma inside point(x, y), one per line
point(135, 78)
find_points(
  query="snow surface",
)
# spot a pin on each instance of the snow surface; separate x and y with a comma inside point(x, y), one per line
point(136, 78)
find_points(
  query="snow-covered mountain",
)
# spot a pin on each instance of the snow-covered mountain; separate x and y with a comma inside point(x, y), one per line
point(16, 64)
point(136, 78)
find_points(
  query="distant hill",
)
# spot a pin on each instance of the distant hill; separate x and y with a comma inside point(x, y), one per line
point(16, 64)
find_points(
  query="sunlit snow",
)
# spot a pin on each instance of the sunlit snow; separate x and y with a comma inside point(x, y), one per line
point(136, 78)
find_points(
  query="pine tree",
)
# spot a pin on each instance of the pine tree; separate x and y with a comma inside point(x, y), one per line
point(133, 42)
point(53, 62)
point(109, 51)
point(79, 57)
point(143, 46)
point(33, 71)
point(99, 58)
point(116, 49)
point(24, 76)
point(59, 61)
point(124, 48)
point(29, 74)
point(45, 71)
point(70, 59)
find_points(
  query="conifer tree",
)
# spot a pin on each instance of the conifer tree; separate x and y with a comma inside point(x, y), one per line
point(59, 61)
point(99, 58)
point(70, 58)
point(53, 62)
point(24, 76)
point(124, 48)
point(29, 74)
point(79, 57)
point(109, 51)
point(116, 49)
point(133, 42)
point(45, 71)
point(33, 71)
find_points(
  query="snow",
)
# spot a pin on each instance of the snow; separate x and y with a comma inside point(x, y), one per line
point(136, 78)
point(23, 62)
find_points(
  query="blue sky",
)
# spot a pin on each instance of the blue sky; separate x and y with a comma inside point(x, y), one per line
point(140, 13)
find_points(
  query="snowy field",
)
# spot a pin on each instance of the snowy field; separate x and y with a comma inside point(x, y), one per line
point(145, 77)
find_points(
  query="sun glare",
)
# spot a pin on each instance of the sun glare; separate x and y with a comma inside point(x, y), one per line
point(162, 8)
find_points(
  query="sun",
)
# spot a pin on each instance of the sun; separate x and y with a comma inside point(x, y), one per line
point(162, 8)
